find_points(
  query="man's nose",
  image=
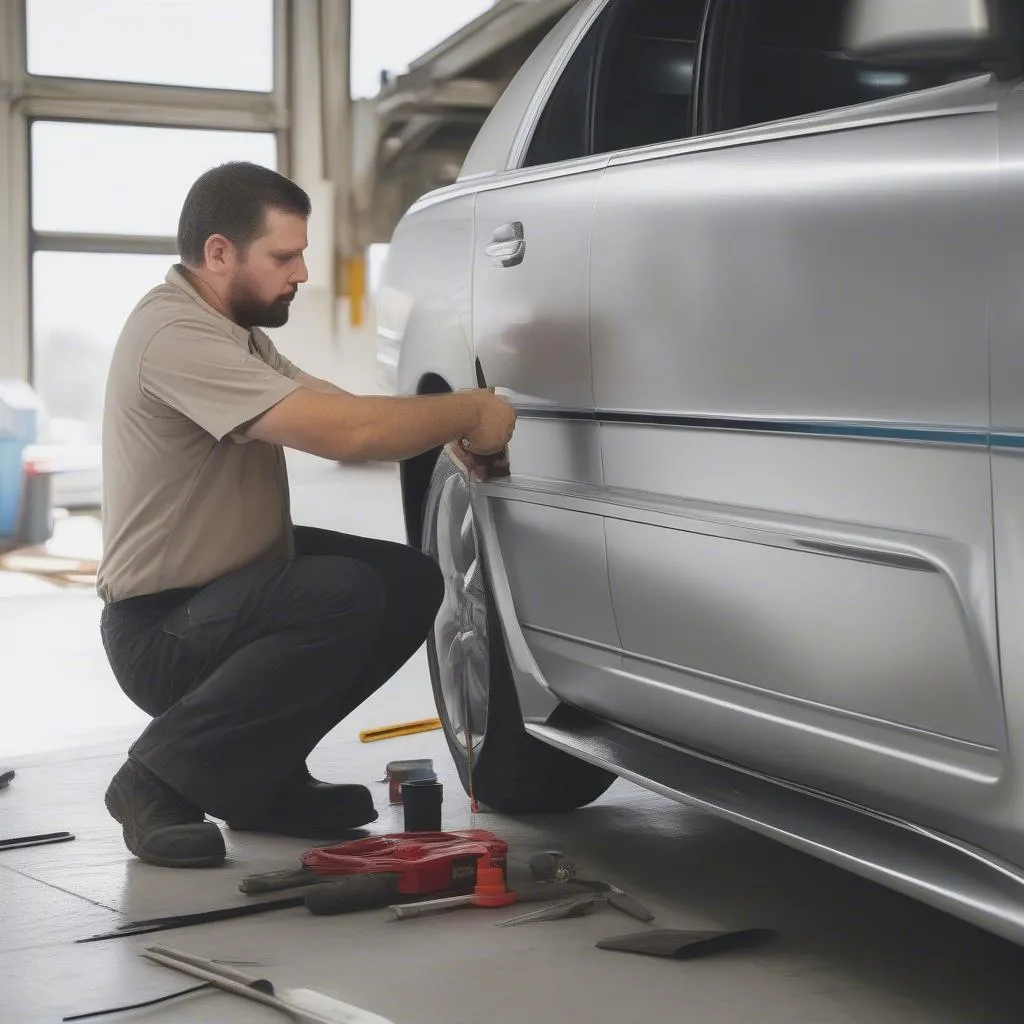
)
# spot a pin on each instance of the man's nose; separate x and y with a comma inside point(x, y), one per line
point(301, 275)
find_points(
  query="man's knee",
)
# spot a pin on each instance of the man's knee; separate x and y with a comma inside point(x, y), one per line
point(330, 587)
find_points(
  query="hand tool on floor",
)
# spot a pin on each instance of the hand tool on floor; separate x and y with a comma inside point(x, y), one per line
point(390, 732)
point(45, 839)
point(541, 892)
point(580, 906)
point(597, 893)
point(300, 1004)
point(551, 866)
point(162, 924)
point(615, 897)
point(489, 891)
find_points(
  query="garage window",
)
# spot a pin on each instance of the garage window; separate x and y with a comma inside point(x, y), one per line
point(102, 237)
point(227, 44)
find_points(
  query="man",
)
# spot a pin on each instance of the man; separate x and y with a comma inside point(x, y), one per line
point(247, 639)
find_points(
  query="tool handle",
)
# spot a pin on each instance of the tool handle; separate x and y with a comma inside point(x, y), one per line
point(21, 842)
point(349, 893)
point(628, 905)
point(273, 881)
point(403, 911)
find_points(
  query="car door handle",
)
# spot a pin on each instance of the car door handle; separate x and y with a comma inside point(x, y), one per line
point(508, 245)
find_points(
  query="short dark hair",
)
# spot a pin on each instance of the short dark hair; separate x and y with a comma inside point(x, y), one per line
point(232, 200)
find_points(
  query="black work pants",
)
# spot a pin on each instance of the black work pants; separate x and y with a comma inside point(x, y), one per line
point(243, 677)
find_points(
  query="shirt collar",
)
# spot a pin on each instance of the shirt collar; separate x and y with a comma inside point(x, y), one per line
point(178, 280)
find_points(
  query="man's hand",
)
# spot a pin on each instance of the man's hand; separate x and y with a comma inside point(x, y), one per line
point(496, 421)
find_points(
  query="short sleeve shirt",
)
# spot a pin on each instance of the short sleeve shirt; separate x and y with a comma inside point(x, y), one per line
point(187, 496)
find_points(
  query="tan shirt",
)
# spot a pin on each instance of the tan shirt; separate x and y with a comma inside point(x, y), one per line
point(187, 497)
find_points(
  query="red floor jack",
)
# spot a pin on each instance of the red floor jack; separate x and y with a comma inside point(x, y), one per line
point(389, 869)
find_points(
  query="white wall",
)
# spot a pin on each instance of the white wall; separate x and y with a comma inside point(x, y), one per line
point(342, 354)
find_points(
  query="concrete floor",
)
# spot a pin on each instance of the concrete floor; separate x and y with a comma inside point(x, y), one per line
point(846, 950)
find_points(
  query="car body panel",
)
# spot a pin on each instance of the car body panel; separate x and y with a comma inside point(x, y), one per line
point(425, 304)
point(531, 331)
point(768, 475)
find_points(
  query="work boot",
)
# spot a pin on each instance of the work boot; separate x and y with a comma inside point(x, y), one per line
point(309, 809)
point(160, 826)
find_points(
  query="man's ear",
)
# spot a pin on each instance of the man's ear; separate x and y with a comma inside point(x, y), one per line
point(219, 255)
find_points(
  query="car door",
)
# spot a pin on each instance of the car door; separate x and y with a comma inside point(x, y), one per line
point(531, 333)
point(789, 335)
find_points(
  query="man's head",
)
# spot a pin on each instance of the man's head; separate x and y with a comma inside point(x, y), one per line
point(243, 230)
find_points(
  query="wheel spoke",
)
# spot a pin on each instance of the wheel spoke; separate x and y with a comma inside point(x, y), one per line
point(471, 581)
point(453, 598)
point(467, 534)
point(463, 541)
point(445, 633)
point(458, 663)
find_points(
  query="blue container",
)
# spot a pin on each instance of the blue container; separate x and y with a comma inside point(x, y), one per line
point(19, 426)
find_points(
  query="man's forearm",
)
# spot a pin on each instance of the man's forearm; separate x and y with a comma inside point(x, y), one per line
point(394, 429)
point(355, 427)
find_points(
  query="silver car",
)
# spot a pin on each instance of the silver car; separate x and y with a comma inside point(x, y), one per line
point(753, 273)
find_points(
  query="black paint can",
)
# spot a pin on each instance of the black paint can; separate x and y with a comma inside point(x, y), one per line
point(421, 800)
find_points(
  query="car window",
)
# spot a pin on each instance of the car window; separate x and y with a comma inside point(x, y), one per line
point(563, 131)
point(629, 83)
point(791, 63)
point(645, 68)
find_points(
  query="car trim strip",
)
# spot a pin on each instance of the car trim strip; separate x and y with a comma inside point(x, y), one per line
point(919, 433)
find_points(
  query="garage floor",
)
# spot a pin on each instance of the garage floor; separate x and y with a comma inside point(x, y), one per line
point(845, 951)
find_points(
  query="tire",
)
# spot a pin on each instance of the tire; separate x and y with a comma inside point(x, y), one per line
point(512, 772)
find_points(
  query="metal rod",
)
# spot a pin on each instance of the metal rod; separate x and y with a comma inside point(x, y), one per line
point(214, 978)
point(223, 969)
point(408, 910)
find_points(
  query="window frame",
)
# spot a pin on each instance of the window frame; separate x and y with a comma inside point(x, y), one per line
point(599, 11)
point(707, 133)
point(544, 92)
point(723, 37)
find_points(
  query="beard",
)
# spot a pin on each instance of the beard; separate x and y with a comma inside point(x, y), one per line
point(249, 310)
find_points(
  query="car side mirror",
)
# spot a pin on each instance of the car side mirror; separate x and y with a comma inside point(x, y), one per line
point(925, 33)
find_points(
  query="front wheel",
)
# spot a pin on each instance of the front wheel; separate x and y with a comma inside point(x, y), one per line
point(512, 772)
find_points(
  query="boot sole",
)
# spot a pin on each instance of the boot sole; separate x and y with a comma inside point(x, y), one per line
point(298, 830)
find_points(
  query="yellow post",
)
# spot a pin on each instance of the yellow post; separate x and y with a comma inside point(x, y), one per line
point(356, 289)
